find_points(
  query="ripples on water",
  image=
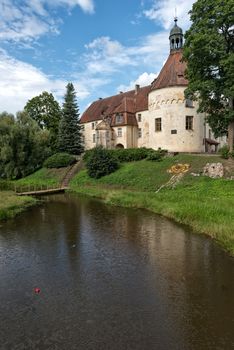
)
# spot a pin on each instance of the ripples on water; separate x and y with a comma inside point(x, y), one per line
point(111, 278)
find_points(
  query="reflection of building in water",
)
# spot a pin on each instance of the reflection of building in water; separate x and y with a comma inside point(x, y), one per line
point(154, 116)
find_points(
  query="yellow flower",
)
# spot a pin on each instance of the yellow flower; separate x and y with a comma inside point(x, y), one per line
point(179, 168)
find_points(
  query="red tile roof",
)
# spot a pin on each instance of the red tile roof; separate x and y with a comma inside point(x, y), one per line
point(131, 102)
point(128, 102)
point(172, 73)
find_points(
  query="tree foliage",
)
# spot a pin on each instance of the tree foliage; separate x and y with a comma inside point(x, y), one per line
point(23, 145)
point(101, 162)
point(209, 52)
point(45, 110)
point(70, 135)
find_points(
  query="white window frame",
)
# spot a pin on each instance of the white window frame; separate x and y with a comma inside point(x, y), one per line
point(119, 132)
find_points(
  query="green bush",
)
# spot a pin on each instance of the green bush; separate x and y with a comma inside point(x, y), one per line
point(155, 156)
point(101, 162)
point(5, 185)
point(59, 160)
point(88, 154)
point(130, 154)
point(224, 152)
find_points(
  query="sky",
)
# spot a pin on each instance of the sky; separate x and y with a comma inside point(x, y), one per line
point(101, 46)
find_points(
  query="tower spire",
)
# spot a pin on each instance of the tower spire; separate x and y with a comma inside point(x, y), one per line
point(176, 36)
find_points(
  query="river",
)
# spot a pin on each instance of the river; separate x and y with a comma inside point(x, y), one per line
point(111, 278)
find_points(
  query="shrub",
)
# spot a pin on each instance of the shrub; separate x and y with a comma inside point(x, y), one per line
point(131, 154)
point(87, 154)
point(101, 162)
point(59, 160)
point(6, 185)
point(224, 152)
point(154, 155)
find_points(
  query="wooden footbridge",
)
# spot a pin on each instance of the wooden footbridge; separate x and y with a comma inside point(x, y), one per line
point(47, 190)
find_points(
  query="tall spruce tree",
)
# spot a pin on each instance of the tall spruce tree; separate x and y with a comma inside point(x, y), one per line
point(70, 134)
point(209, 52)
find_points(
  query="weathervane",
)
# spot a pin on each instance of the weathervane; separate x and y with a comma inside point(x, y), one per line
point(175, 18)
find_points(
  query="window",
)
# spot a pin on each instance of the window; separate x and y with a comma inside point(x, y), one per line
point(173, 132)
point(189, 122)
point(119, 118)
point(188, 103)
point(119, 133)
point(139, 133)
point(139, 117)
point(93, 125)
point(107, 135)
point(158, 124)
point(94, 138)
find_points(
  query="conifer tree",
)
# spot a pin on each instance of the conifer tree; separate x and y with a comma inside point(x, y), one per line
point(70, 134)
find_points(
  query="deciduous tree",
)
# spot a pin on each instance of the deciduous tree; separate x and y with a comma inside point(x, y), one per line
point(45, 110)
point(23, 146)
point(209, 52)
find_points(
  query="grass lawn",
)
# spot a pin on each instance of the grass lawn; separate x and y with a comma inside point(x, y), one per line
point(41, 179)
point(205, 204)
point(11, 204)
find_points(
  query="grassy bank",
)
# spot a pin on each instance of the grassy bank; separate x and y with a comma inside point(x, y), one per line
point(41, 179)
point(204, 204)
point(11, 204)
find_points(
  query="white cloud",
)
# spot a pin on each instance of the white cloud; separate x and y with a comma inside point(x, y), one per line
point(86, 5)
point(30, 19)
point(21, 81)
point(105, 56)
point(163, 11)
point(143, 80)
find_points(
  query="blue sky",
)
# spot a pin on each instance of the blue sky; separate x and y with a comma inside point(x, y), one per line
point(102, 46)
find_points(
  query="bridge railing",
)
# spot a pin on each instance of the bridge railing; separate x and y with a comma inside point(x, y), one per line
point(35, 187)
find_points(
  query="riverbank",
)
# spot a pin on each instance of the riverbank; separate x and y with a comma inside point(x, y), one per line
point(205, 204)
point(11, 204)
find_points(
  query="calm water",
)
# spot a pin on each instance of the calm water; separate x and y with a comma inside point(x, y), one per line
point(111, 278)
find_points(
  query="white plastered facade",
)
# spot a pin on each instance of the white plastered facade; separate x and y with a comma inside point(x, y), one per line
point(169, 105)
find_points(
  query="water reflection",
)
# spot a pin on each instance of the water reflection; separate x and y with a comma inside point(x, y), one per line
point(111, 278)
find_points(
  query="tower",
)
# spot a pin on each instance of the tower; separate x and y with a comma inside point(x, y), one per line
point(176, 37)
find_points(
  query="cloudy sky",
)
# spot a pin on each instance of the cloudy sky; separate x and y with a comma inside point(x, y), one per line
point(102, 46)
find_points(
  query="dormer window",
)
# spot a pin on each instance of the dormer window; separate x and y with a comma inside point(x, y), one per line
point(119, 118)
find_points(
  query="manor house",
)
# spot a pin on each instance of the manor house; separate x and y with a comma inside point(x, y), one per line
point(153, 116)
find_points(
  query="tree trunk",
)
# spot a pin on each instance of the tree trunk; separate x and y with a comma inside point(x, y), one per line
point(231, 129)
point(230, 136)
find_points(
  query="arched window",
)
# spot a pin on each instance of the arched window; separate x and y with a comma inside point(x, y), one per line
point(173, 43)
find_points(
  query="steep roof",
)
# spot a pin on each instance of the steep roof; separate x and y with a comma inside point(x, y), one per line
point(172, 73)
point(129, 102)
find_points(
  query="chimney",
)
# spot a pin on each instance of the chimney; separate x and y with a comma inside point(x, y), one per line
point(121, 92)
point(137, 87)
